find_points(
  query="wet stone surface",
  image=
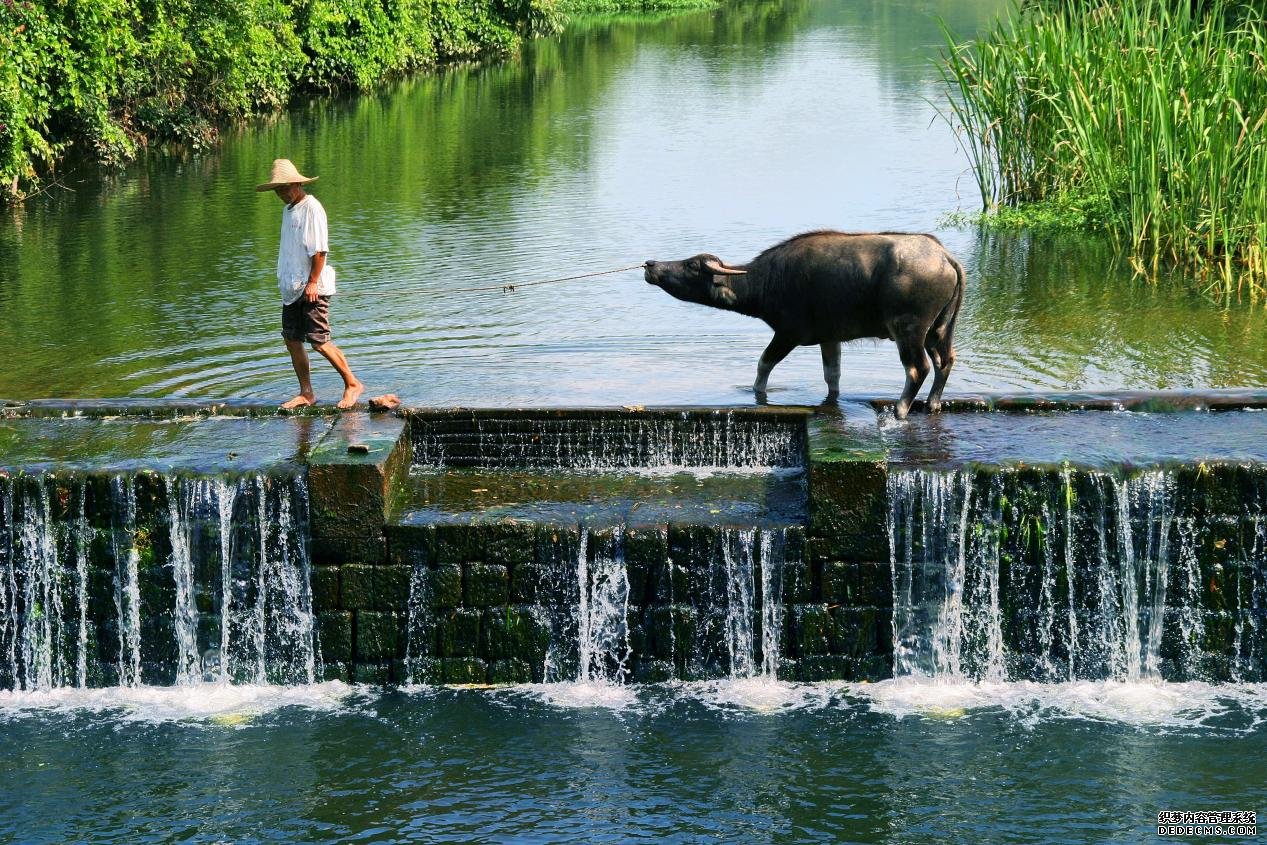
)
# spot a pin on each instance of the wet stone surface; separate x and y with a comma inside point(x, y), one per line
point(459, 496)
point(207, 444)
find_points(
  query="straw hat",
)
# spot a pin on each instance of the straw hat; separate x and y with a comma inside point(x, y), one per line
point(284, 173)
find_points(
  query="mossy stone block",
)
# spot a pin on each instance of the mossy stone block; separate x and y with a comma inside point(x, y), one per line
point(334, 627)
point(646, 555)
point(653, 671)
point(487, 585)
point(660, 632)
point(1219, 636)
point(349, 493)
point(444, 586)
point(525, 582)
point(861, 631)
point(357, 587)
point(377, 636)
point(636, 634)
point(694, 546)
point(555, 544)
point(857, 583)
point(797, 582)
point(204, 599)
point(465, 670)
point(391, 588)
point(812, 629)
point(411, 545)
point(362, 545)
point(509, 671)
point(325, 588)
point(509, 544)
point(849, 507)
point(208, 631)
point(378, 674)
point(458, 543)
point(425, 670)
point(336, 671)
point(514, 632)
point(824, 667)
point(458, 633)
point(874, 668)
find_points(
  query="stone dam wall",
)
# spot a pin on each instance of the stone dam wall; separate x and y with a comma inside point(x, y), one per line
point(491, 546)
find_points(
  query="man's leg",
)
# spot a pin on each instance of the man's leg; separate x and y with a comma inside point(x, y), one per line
point(352, 389)
point(299, 359)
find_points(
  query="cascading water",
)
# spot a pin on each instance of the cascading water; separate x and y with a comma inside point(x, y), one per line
point(752, 565)
point(145, 579)
point(1060, 575)
point(606, 441)
point(741, 614)
point(738, 555)
point(602, 612)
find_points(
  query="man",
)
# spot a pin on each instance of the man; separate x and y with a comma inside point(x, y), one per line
point(306, 281)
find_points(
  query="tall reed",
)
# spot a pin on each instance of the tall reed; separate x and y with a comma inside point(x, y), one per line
point(1149, 112)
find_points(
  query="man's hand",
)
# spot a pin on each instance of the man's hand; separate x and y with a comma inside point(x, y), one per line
point(318, 264)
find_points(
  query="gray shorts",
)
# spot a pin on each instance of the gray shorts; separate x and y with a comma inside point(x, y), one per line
point(310, 321)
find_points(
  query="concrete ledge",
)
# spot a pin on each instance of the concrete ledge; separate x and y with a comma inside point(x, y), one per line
point(1158, 401)
point(352, 476)
point(848, 486)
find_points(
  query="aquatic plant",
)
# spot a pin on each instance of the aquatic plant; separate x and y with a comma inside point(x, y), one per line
point(1143, 117)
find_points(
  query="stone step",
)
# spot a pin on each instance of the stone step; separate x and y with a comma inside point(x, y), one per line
point(466, 496)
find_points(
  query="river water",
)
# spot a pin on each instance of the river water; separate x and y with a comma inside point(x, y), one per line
point(732, 762)
point(614, 143)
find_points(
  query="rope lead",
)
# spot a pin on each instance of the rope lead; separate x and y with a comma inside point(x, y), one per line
point(508, 288)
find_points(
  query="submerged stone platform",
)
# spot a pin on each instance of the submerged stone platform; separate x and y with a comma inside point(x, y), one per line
point(1038, 537)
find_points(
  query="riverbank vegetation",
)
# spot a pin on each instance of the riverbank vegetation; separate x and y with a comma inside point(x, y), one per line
point(102, 80)
point(1144, 118)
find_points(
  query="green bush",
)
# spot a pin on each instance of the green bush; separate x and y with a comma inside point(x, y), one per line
point(103, 78)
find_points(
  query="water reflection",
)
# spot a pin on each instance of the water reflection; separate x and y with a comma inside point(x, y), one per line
point(620, 140)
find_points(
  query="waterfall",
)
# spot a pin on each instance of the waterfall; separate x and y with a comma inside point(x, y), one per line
point(132, 579)
point(226, 498)
point(738, 560)
point(1007, 574)
point(751, 609)
point(127, 592)
point(606, 441)
point(602, 612)
point(185, 614)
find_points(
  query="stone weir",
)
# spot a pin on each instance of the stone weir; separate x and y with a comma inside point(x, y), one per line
point(1045, 538)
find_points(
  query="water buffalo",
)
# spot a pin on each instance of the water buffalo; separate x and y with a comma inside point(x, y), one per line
point(826, 288)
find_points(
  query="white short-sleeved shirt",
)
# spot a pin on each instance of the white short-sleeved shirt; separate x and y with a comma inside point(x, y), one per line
point(303, 236)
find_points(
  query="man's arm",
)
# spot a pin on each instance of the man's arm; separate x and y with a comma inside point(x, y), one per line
point(318, 264)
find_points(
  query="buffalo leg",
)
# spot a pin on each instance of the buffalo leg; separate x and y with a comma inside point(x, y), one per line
point(911, 351)
point(778, 349)
point(831, 368)
point(942, 352)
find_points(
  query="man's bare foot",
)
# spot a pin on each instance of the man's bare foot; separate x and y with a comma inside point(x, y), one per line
point(350, 394)
point(303, 400)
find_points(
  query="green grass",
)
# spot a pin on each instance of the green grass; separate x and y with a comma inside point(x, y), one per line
point(1143, 117)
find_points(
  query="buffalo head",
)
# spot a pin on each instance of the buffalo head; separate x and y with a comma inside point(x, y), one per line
point(703, 279)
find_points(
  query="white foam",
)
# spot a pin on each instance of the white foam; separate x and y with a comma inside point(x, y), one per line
point(580, 695)
point(229, 705)
point(1139, 703)
point(758, 695)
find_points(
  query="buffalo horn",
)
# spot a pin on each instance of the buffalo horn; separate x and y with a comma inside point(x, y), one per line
point(717, 268)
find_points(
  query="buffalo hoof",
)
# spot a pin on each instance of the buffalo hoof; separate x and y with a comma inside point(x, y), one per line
point(900, 410)
point(934, 407)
